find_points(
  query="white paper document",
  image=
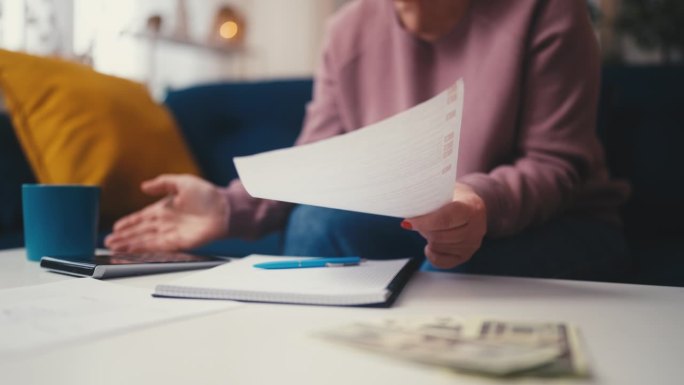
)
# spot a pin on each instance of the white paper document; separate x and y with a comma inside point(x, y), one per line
point(403, 166)
point(49, 315)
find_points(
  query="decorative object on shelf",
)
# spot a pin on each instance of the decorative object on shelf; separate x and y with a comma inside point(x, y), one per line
point(228, 29)
point(153, 30)
point(181, 32)
point(225, 37)
point(154, 25)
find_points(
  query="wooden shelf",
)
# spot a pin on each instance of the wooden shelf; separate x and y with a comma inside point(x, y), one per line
point(217, 48)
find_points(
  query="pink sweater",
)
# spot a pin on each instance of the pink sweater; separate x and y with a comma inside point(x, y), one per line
point(528, 144)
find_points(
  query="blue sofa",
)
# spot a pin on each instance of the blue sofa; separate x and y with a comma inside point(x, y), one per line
point(640, 124)
point(218, 121)
point(222, 121)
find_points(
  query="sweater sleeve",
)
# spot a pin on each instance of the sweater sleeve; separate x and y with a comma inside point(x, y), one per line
point(556, 146)
point(250, 217)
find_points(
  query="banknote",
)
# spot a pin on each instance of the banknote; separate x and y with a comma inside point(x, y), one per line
point(486, 346)
point(571, 361)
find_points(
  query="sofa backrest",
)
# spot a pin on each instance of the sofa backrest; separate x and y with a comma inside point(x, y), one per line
point(641, 122)
point(14, 171)
point(220, 121)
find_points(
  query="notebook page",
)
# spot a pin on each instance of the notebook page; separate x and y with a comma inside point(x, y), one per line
point(370, 277)
point(403, 166)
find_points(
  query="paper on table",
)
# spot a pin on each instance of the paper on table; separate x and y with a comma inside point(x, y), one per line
point(44, 316)
point(403, 166)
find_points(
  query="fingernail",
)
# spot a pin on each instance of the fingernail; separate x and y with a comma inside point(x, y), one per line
point(406, 225)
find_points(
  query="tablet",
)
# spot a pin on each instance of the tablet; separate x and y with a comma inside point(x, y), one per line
point(127, 264)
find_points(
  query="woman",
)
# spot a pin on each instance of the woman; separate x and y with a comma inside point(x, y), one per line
point(533, 195)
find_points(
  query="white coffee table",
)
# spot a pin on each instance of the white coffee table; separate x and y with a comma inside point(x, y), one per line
point(633, 335)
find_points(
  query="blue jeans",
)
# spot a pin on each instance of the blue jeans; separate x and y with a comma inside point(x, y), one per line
point(566, 247)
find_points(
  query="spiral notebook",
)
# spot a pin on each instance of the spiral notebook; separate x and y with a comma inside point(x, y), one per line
point(371, 283)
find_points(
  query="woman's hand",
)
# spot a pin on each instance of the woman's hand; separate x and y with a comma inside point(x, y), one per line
point(193, 213)
point(454, 232)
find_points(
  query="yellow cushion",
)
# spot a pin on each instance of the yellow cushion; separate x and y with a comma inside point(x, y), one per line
point(79, 126)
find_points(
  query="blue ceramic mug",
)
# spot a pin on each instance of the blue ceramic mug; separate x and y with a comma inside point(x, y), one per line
point(60, 220)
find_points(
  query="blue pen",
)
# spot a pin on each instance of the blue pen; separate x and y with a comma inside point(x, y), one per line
point(318, 262)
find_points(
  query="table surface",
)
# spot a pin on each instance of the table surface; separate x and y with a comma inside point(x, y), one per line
point(632, 333)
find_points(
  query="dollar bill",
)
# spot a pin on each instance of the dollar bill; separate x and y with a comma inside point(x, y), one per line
point(485, 346)
point(571, 361)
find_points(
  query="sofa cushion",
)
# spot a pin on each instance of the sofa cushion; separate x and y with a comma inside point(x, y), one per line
point(221, 121)
point(78, 126)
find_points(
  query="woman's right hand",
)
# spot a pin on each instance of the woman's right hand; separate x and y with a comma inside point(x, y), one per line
point(193, 212)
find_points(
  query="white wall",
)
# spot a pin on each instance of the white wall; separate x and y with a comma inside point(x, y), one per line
point(283, 39)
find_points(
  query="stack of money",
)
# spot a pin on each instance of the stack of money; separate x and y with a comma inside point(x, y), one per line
point(484, 346)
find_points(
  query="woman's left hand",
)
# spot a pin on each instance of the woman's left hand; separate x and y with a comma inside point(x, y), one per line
point(455, 231)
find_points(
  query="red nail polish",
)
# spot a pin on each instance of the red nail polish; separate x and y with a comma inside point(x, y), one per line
point(406, 225)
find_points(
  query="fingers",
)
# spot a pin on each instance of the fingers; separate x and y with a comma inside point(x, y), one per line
point(164, 239)
point(132, 227)
point(454, 250)
point(150, 242)
point(450, 216)
point(133, 232)
point(131, 241)
point(122, 240)
point(162, 185)
point(149, 212)
point(150, 236)
point(454, 233)
point(444, 260)
point(153, 229)
point(445, 237)
point(131, 220)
